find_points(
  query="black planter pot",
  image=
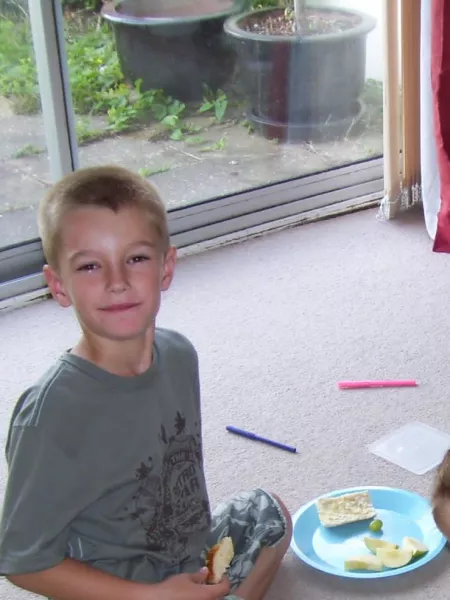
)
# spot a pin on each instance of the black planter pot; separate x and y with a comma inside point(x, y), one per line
point(302, 88)
point(174, 45)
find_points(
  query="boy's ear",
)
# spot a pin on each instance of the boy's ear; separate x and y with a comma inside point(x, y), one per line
point(56, 286)
point(168, 269)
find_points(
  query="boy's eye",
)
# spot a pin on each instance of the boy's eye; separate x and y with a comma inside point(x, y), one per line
point(88, 267)
point(138, 258)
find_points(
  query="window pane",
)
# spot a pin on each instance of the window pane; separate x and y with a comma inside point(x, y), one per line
point(213, 97)
point(186, 92)
point(23, 154)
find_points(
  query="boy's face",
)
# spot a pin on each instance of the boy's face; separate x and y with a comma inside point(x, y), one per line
point(111, 270)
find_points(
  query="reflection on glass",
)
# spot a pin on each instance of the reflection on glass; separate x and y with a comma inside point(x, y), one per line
point(207, 97)
point(23, 155)
point(210, 97)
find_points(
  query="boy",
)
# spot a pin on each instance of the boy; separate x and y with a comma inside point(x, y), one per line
point(106, 496)
point(441, 496)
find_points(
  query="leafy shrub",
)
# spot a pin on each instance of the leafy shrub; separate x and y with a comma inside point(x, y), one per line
point(88, 5)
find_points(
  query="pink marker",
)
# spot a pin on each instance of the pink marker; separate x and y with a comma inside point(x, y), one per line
point(355, 385)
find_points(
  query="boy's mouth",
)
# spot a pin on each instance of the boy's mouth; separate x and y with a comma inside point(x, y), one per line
point(120, 307)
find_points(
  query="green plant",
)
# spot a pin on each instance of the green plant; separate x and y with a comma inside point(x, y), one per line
point(97, 82)
point(220, 145)
point(125, 106)
point(28, 150)
point(194, 140)
point(86, 133)
point(94, 69)
point(98, 85)
point(192, 127)
point(168, 112)
point(148, 172)
point(217, 103)
point(248, 125)
point(18, 80)
point(88, 5)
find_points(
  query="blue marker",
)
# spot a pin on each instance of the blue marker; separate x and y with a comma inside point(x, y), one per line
point(258, 438)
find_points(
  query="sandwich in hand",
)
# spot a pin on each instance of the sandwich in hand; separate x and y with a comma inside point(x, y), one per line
point(218, 559)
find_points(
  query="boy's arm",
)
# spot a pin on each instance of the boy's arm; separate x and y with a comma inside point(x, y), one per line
point(73, 580)
point(44, 493)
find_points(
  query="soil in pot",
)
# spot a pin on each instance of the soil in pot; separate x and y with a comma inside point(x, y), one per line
point(313, 22)
point(174, 45)
point(302, 86)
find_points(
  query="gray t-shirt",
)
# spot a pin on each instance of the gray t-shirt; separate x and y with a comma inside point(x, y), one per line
point(108, 469)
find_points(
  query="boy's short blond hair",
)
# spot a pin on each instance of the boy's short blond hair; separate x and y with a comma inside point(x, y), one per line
point(106, 187)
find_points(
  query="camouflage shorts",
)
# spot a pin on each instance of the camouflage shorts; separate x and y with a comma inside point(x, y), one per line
point(254, 520)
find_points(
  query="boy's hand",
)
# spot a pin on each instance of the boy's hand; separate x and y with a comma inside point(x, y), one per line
point(192, 586)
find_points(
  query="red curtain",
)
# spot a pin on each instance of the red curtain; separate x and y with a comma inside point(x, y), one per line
point(440, 79)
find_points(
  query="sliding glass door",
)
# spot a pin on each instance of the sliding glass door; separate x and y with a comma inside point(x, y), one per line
point(243, 113)
point(37, 133)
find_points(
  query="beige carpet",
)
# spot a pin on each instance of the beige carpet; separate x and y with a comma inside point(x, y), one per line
point(277, 321)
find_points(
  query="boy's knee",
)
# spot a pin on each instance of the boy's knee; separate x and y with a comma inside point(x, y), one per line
point(286, 515)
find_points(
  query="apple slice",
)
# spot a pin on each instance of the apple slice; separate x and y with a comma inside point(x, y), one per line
point(365, 562)
point(374, 543)
point(418, 548)
point(394, 559)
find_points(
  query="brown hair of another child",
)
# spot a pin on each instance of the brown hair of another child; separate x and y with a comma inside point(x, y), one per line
point(441, 496)
point(442, 483)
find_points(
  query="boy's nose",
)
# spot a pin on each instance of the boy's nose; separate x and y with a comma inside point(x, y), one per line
point(117, 280)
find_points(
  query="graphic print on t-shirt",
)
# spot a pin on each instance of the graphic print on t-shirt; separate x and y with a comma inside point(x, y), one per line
point(171, 503)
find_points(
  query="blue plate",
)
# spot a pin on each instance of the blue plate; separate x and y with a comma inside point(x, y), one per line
point(403, 514)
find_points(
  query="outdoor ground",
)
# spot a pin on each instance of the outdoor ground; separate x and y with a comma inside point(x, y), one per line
point(229, 159)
